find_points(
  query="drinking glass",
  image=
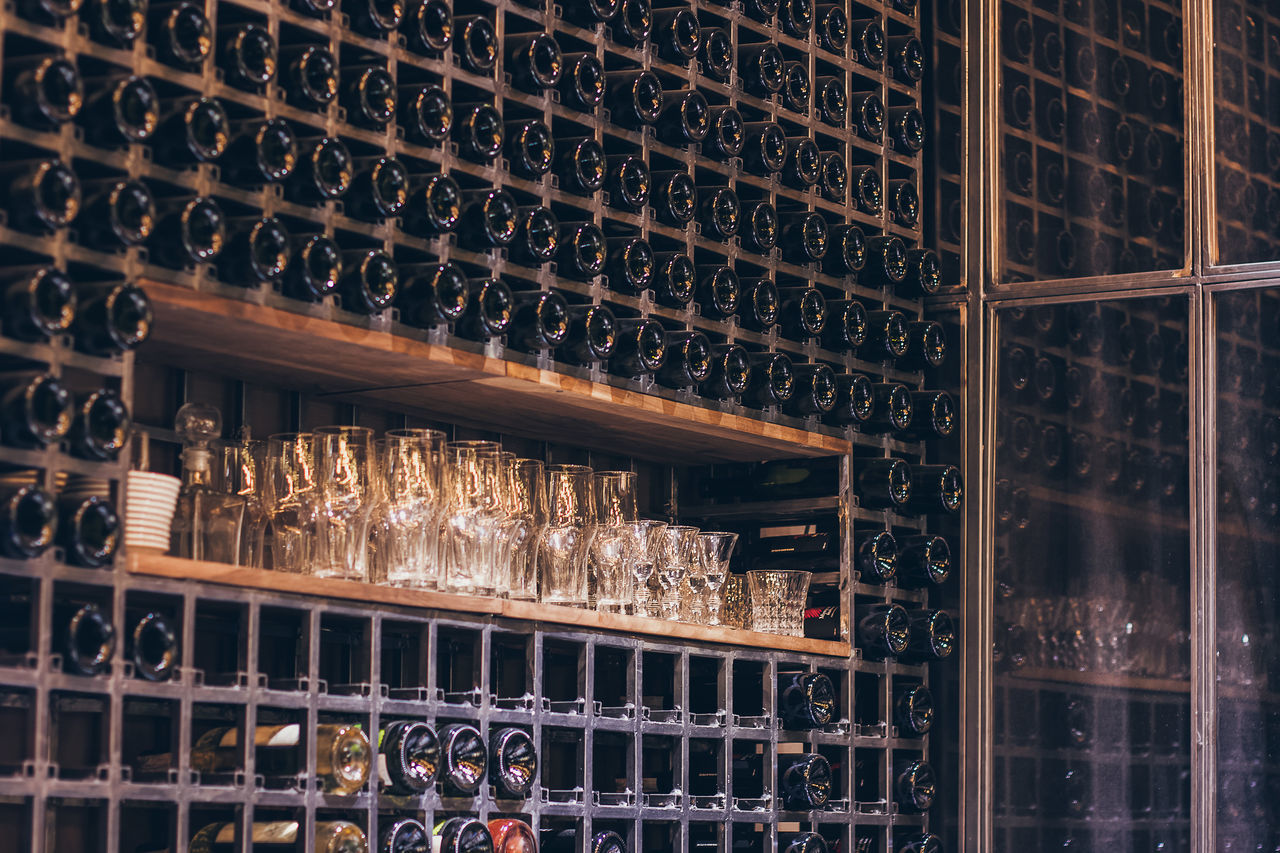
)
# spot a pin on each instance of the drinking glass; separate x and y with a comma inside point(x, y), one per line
point(611, 544)
point(714, 551)
point(565, 542)
point(777, 601)
point(527, 518)
point(409, 517)
point(676, 554)
point(615, 493)
point(240, 473)
point(288, 498)
point(735, 603)
point(646, 539)
point(344, 464)
point(474, 516)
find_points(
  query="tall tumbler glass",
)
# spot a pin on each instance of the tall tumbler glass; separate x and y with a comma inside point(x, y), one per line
point(526, 518)
point(344, 462)
point(289, 498)
point(609, 582)
point(677, 552)
point(240, 473)
point(647, 537)
point(714, 551)
point(410, 514)
point(474, 515)
point(565, 542)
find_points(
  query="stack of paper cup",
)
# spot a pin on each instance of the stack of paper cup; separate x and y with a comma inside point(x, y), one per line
point(149, 506)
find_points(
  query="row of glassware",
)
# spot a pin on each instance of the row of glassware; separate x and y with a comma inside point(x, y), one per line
point(413, 510)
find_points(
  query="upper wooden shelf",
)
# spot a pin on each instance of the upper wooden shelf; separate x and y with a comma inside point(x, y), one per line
point(156, 565)
point(206, 331)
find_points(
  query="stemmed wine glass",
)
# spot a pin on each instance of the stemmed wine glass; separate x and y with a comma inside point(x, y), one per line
point(646, 538)
point(714, 551)
point(675, 556)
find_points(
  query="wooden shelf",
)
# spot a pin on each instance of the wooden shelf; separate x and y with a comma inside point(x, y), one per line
point(156, 565)
point(1118, 680)
point(358, 363)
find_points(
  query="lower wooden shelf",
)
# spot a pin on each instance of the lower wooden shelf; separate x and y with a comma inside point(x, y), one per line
point(157, 565)
point(1118, 680)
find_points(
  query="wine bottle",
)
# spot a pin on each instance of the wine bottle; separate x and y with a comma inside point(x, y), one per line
point(727, 134)
point(475, 43)
point(906, 129)
point(369, 281)
point(630, 264)
point(867, 42)
point(924, 274)
point(46, 92)
point(478, 130)
point(112, 319)
point(675, 198)
point(310, 76)
point(38, 305)
point(196, 130)
point(867, 191)
point(877, 557)
point(765, 149)
point(884, 484)
point(641, 350)
point(434, 207)
point(634, 98)
point(688, 362)
point(904, 203)
point(633, 23)
point(773, 380)
point(685, 118)
point(122, 110)
point(180, 33)
point(489, 220)
point(893, 409)
point(582, 82)
point(804, 312)
point(537, 237)
point(314, 269)
point(912, 709)
point(719, 291)
point(715, 54)
point(846, 250)
point(926, 346)
point(593, 335)
point(539, 321)
point(88, 531)
point(325, 171)
point(804, 781)
point(846, 326)
point(28, 522)
point(489, 311)
point(429, 26)
point(801, 842)
point(883, 630)
point(806, 700)
point(100, 429)
point(437, 295)
point(118, 214)
point(466, 762)
point(868, 116)
point(513, 763)
point(535, 62)
point(925, 842)
point(379, 191)
point(86, 638)
point(803, 237)
point(730, 373)
point(35, 411)
point(568, 841)
point(933, 636)
point(915, 784)
point(512, 836)
point(796, 17)
point(675, 280)
point(337, 836)
point(426, 115)
point(404, 835)
point(855, 400)
point(41, 195)
point(906, 59)
point(935, 489)
point(832, 100)
point(760, 69)
point(887, 336)
point(117, 23)
point(760, 227)
point(816, 391)
point(408, 758)
point(151, 645)
point(932, 415)
point(247, 56)
point(720, 213)
point(832, 27)
point(833, 177)
point(530, 148)
point(262, 152)
point(796, 91)
point(581, 166)
point(629, 182)
point(760, 304)
point(370, 97)
point(677, 34)
point(583, 250)
point(594, 11)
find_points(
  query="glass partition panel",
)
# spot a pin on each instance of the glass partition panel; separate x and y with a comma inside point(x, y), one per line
point(1092, 635)
point(1248, 444)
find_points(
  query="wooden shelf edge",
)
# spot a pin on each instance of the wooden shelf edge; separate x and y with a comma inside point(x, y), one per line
point(1118, 680)
point(159, 565)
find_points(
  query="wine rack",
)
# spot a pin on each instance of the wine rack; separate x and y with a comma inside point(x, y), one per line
point(1092, 139)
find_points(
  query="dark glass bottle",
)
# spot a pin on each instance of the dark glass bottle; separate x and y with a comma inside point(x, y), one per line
point(112, 319)
point(539, 321)
point(537, 236)
point(35, 411)
point(924, 274)
point(912, 709)
point(796, 17)
point(196, 131)
point(581, 166)
point(38, 304)
point(727, 134)
point(688, 362)
point(904, 203)
point(801, 842)
point(86, 638)
point(314, 270)
point(675, 198)
point(28, 522)
point(633, 23)
point(41, 195)
point(760, 227)
point(846, 327)
point(478, 130)
point(594, 11)
point(117, 214)
point(925, 842)
point(832, 100)
point(593, 335)
point(530, 147)
point(933, 415)
point(582, 84)
point(804, 781)
point(685, 118)
point(535, 62)
point(489, 311)
point(719, 291)
point(796, 89)
point(257, 253)
point(429, 26)
point(935, 489)
point(675, 280)
point(100, 429)
point(247, 56)
point(893, 410)
point(867, 42)
point(867, 115)
point(629, 182)
point(89, 532)
point(868, 192)
point(462, 835)
point(926, 346)
point(816, 391)
point(475, 43)
point(583, 250)
point(715, 54)
point(906, 129)
point(513, 763)
point(884, 630)
point(761, 303)
point(765, 149)
point(438, 295)
point(630, 265)
point(933, 636)
point(720, 213)
point(804, 312)
point(730, 373)
point(180, 33)
point(151, 645)
point(489, 220)
point(263, 152)
point(325, 171)
point(642, 348)
point(310, 76)
point(465, 762)
point(403, 835)
point(846, 250)
point(803, 237)
point(833, 177)
point(634, 98)
point(434, 207)
point(117, 23)
point(369, 281)
point(45, 93)
point(124, 110)
point(877, 557)
point(806, 700)
point(906, 59)
point(677, 35)
point(887, 336)
point(832, 26)
point(760, 69)
point(773, 380)
point(803, 166)
point(379, 191)
point(375, 18)
point(370, 96)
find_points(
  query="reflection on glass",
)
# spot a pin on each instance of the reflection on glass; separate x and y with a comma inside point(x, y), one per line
point(1248, 399)
point(1092, 630)
point(1091, 138)
point(943, 32)
point(1247, 136)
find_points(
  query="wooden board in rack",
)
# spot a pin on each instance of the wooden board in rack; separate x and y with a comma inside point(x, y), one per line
point(210, 332)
